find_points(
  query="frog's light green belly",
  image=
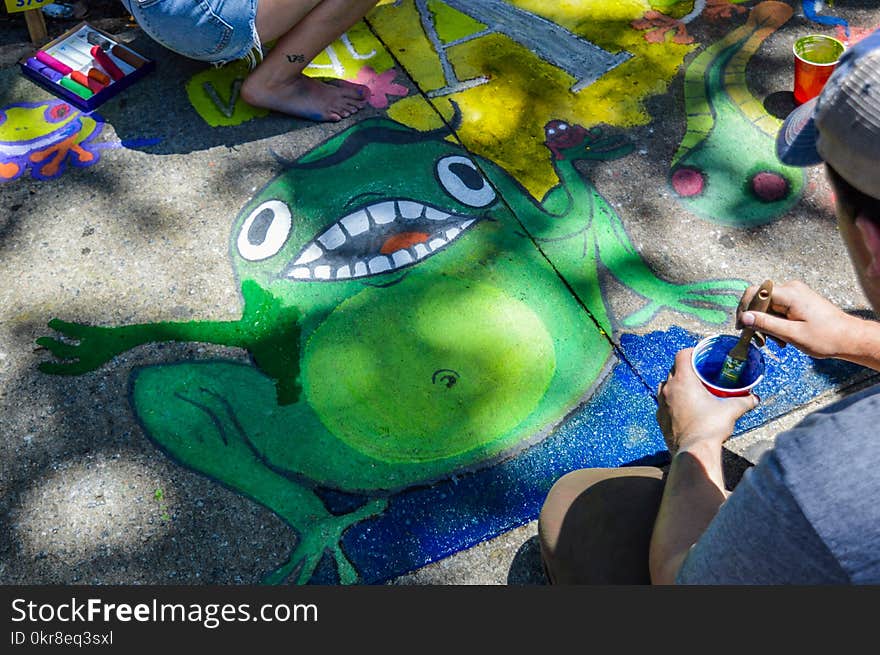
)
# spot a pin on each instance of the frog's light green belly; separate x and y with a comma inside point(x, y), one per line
point(443, 371)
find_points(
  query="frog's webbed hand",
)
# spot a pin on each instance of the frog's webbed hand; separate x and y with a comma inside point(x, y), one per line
point(575, 142)
point(86, 347)
point(204, 415)
point(709, 301)
point(267, 329)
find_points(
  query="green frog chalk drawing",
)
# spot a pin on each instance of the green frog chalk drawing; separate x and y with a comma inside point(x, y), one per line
point(404, 327)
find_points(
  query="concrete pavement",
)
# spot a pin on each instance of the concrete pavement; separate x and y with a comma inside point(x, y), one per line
point(543, 229)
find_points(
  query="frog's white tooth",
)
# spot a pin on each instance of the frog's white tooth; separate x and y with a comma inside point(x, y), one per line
point(310, 254)
point(343, 272)
point(380, 264)
point(356, 223)
point(383, 212)
point(451, 234)
point(332, 238)
point(301, 274)
point(435, 214)
point(434, 244)
point(421, 251)
point(409, 209)
point(322, 272)
point(360, 269)
point(467, 224)
point(402, 258)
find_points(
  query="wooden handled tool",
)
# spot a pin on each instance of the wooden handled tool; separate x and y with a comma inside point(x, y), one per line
point(736, 358)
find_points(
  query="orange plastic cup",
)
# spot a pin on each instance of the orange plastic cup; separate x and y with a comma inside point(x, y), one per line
point(815, 57)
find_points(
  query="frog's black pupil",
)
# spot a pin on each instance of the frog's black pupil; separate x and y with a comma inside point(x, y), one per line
point(471, 178)
point(260, 227)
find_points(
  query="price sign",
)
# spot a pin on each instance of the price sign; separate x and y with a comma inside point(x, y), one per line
point(13, 6)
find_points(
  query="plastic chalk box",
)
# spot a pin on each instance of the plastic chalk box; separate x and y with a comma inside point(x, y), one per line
point(85, 66)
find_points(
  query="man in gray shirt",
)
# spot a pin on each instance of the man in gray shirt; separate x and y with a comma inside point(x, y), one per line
point(807, 512)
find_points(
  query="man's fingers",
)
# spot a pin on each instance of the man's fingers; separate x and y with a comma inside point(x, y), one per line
point(747, 296)
point(746, 403)
point(778, 328)
point(682, 360)
point(783, 297)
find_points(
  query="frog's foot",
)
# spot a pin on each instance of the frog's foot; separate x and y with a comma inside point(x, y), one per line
point(709, 301)
point(9, 171)
point(58, 154)
point(83, 348)
point(325, 537)
point(203, 415)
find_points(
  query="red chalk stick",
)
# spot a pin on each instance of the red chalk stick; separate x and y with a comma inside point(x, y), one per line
point(106, 63)
point(53, 63)
point(85, 80)
point(95, 74)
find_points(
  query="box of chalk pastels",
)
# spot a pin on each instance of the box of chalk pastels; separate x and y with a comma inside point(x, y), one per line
point(85, 66)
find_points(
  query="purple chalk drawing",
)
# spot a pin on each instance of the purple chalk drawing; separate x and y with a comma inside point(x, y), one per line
point(47, 136)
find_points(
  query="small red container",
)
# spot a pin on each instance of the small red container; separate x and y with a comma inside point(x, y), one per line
point(815, 58)
point(708, 359)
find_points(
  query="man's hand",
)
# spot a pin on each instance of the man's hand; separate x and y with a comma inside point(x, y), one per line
point(695, 424)
point(689, 414)
point(800, 316)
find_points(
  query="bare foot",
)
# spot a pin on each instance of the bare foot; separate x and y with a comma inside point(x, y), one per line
point(306, 97)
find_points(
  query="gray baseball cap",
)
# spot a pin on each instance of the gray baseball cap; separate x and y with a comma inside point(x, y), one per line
point(841, 126)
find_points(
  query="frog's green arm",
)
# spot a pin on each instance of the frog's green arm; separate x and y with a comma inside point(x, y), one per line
point(706, 300)
point(267, 329)
point(557, 202)
point(97, 345)
point(603, 235)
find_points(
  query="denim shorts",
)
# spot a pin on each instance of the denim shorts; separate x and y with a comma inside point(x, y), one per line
point(216, 31)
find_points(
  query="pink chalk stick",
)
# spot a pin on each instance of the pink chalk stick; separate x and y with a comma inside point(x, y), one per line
point(53, 63)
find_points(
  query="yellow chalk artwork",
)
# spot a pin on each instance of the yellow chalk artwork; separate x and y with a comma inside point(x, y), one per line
point(504, 68)
point(582, 61)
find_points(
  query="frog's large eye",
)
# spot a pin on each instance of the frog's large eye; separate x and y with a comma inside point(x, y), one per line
point(57, 112)
point(264, 231)
point(464, 182)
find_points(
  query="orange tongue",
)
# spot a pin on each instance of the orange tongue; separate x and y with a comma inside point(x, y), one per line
point(403, 240)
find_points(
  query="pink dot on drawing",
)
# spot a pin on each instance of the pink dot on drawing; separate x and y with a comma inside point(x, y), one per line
point(769, 187)
point(688, 182)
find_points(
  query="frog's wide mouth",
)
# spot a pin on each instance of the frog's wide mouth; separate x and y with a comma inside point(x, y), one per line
point(379, 238)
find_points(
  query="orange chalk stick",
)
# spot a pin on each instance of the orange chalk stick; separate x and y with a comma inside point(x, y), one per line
point(99, 76)
point(87, 81)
